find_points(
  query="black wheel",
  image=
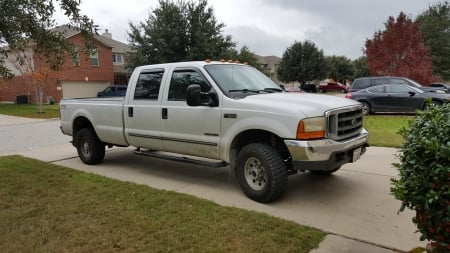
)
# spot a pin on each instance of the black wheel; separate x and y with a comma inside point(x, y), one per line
point(365, 108)
point(433, 103)
point(90, 149)
point(326, 172)
point(261, 172)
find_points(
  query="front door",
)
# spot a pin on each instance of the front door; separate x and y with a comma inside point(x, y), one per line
point(186, 129)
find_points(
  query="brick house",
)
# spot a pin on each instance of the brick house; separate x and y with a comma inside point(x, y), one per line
point(82, 75)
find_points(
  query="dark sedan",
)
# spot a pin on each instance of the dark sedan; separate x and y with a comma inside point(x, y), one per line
point(398, 98)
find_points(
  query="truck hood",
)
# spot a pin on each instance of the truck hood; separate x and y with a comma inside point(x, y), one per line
point(310, 105)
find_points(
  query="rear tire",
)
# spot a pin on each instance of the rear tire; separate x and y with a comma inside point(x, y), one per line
point(89, 148)
point(261, 172)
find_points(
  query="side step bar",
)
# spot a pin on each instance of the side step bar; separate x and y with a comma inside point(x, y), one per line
point(155, 154)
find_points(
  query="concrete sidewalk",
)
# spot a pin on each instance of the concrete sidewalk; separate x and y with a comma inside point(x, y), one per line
point(354, 206)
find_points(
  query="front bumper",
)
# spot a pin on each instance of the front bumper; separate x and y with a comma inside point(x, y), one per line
point(326, 154)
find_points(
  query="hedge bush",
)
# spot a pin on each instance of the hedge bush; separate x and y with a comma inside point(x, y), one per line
point(423, 184)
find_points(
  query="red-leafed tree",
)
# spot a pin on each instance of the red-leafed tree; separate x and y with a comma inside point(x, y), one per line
point(400, 50)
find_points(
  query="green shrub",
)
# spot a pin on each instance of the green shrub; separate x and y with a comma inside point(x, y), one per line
point(423, 184)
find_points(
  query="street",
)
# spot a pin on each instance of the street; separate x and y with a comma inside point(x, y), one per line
point(354, 203)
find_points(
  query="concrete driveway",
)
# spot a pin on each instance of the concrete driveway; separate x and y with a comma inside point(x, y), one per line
point(354, 204)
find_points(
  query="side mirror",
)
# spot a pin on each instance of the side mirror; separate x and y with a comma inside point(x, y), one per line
point(412, 93)
point(195, 97)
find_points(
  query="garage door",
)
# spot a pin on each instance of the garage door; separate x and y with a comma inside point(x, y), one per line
point(82, 89)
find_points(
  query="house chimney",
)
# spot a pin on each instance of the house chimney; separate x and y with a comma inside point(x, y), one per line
point(107, 34)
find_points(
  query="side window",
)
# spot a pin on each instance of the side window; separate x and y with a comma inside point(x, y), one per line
point(181, 79)
point(397, 81)
point(397, 89)
point(377, 89)
point(148, 84)
point(362, 84)
point(380, 81)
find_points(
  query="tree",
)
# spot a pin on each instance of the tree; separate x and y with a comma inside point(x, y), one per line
point(302, 62)
point(399, 50)
point(33, 72)
point(340, 68)
point(177, 31)
point(434, 24)
point(361, 67)
point(243, 56)
point(27, 22)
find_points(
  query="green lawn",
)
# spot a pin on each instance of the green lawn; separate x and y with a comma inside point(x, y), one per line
point(383, 129)
point(50, 208)
point(30, 110)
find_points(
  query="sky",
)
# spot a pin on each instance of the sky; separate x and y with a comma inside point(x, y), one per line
point(269, 27)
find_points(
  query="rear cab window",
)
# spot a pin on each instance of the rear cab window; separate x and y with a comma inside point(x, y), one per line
point(148, 84)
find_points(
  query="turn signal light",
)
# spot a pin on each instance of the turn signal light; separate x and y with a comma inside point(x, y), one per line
point(312, 128)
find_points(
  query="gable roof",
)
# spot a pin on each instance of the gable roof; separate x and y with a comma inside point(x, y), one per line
point(69, 31)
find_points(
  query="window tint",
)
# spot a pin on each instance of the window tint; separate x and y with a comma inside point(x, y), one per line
point(397, 89)
point(362, 84)
point(377, 89)
point(380, 81)
point(397, 81)
point(148, 85)
point(181, 79)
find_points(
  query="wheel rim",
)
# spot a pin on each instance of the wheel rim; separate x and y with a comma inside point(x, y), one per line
point(255, 174)
point(365, 108)
point(86, 148)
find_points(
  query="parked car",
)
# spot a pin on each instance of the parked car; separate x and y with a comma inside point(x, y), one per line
point(339, 87)
point(398, 98)
point(113, 91)
point(441, 85)
point(366, 82)
point(310, 87)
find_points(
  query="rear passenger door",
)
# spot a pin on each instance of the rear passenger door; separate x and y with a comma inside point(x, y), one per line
point(143, 110)
point(187, 129)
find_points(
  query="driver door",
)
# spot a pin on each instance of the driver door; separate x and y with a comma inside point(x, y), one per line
point(187, 129)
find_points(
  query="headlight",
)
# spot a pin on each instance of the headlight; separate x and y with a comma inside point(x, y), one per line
point(311, 128)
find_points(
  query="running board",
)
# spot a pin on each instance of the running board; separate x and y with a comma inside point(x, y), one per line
point(179, 158)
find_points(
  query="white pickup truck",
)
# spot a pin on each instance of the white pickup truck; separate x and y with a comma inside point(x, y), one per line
point(228, 112)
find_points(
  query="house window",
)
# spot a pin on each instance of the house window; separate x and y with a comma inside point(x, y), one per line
point(75, 57)
point(93, 57)
point(117, 59)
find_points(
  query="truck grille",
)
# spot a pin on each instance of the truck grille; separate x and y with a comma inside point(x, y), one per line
point(344, 123)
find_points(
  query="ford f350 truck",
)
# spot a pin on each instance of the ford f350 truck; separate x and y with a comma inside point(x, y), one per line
point(227, 112)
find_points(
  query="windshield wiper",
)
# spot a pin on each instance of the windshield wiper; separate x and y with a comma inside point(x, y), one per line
point(245, 91)
point(273, 90)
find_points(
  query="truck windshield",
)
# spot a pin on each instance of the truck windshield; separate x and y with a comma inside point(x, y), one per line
point(237, 80)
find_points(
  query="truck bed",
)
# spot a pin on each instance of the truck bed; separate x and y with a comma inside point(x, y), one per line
point(105, 113)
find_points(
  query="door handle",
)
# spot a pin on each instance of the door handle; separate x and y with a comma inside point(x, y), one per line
point(130, 111)
point(164, 113)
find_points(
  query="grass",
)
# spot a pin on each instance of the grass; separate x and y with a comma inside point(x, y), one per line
point(50, 208)
point(30, 110)
point(383, 129)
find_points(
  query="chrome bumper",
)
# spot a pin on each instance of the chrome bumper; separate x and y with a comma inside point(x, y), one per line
point(325, 154)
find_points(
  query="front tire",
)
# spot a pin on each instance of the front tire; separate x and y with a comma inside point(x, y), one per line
point(365, 108)
point(89, 148)
point(261, 172)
